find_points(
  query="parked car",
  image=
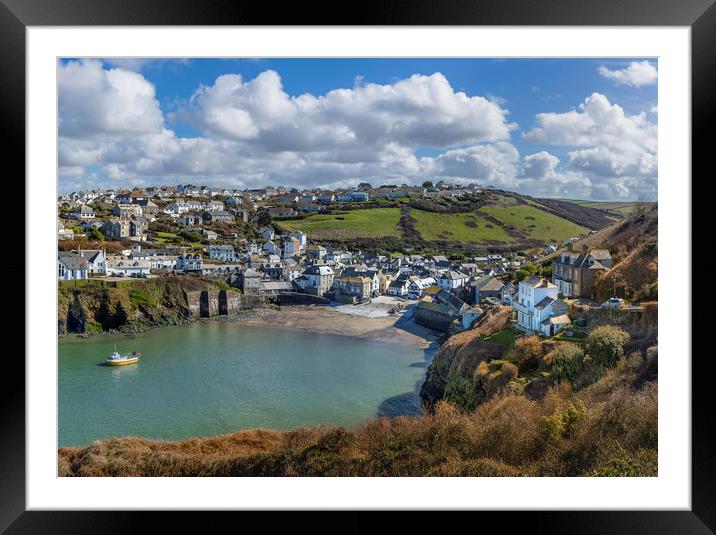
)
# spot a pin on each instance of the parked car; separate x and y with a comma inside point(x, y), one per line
point(614, 302)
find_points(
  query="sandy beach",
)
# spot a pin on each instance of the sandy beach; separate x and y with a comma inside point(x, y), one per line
point(323, 319)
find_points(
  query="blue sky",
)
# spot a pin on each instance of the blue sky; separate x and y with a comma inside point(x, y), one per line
point(552, 127)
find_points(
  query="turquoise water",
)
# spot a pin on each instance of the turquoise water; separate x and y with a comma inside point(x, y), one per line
point(215, 377)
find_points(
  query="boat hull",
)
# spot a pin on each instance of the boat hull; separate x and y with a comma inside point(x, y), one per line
point(121, 362)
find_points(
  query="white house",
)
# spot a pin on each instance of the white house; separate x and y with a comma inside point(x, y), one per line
point(64, 233)
point(399, 286)
point(417, 286)
point(190, 262)
point(320, 277)
point(213, 206)
point(223, 253)
point(538, 308)
point(96, 261)
point(292, 272)
point(452, 279)
point(176, 208)
point(71, 266)
point(162, 261)
point(83, 212)
point(120, 266)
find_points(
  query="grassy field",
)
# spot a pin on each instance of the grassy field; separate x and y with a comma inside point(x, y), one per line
point(373, 222)
point(535, 224)
point(432, 226)
point(623, 207)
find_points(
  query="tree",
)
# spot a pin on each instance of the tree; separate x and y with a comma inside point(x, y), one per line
point(96, 235)
point(641, 206)
point(263, 218)
point(566, 361)
point(526, 271)
point(605, 345)
point(365, 185)
point(428, 184)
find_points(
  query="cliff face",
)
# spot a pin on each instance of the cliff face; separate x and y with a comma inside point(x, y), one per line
point(456, 373)
point(95, 306)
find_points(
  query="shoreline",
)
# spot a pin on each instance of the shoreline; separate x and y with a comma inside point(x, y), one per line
point(328, 320)
point(309, 318)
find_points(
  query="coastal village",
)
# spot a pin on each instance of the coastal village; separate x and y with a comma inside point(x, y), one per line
point(377, 269)
point(236, 236)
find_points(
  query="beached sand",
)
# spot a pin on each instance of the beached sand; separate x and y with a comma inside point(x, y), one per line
point(325, 319)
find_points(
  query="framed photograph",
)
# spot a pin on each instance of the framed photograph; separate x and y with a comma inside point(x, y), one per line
point(410, 263)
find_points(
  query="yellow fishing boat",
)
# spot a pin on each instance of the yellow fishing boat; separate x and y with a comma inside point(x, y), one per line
point(115, 359)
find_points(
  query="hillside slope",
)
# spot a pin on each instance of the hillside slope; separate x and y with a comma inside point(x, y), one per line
point(633, 243)
point(496, 220)
point(451, 374)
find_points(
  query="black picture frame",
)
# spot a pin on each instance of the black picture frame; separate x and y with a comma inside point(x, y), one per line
point(699, 15)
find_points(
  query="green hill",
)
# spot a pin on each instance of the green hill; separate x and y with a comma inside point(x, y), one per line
point(371, 222)
point(491, 219)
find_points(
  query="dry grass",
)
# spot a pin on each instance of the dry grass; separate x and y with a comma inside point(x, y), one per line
point(607, 429)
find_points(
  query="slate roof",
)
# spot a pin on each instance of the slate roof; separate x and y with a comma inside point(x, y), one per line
point(545, 303)
point(452, 275)
point(488, 284)
point(538, 282)
point(436, 307)
point(557, 320)
point(73, 261)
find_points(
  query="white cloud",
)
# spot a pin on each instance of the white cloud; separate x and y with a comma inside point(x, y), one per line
point(416, 111)
point(94, 101)
point(614, 154)
point(539, 165)
point(637, 74)
point(616, 144)
point(254, 133)
point(488, 163)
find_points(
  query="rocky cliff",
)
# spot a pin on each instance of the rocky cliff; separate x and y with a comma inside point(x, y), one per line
point(95, 306)
point(456, 373)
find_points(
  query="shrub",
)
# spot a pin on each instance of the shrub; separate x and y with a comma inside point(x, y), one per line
point(509, 370)
point(565, 361)
point(605, 345)
point(190, 236)
point(563, 422)
point(460, 391)
point(527, 352)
